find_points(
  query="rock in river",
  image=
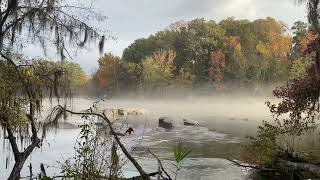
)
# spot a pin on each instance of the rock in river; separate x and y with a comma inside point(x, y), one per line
point(189, 123)
point(165, 124)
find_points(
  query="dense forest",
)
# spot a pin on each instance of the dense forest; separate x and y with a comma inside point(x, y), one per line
point(191, 54)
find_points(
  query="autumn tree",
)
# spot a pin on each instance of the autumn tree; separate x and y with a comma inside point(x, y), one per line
point(24, 83)
point(158, 70)
point(133, 75)
point(236, 63)
point(216, 67)
point(144, 47)
point(296, 114)
point(185, 78)
point(200, 39)
point(108, 74)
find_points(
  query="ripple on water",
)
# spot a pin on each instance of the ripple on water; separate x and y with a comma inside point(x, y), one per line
point(191, 134)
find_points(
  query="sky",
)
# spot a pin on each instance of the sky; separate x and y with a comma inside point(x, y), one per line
point(128, 20)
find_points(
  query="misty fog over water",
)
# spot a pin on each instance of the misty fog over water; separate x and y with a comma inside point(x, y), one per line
point(224, 123)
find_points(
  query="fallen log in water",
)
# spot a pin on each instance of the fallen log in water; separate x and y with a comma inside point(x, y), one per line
point(284, 164)
point(293, 166)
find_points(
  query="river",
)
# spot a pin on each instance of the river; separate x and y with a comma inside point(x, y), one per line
point(224, 124)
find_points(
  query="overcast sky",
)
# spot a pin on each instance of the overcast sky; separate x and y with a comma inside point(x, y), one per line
point(132, 19)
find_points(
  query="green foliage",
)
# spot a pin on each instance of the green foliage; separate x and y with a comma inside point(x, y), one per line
point(76, 77)
point(299, 30)
point(83, 165)
point(92, 158)
point(32, 81)
point(142, 48)
point(109, 74)
point(264, 149)
point(179, 153)
point(298, 68)
point(11, 108)
point(158, 70)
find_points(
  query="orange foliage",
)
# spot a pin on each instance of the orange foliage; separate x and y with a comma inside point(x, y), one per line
point(216, 66)
point(231, 41)
point(279, 44)
point(108, 71)
point(306, 41)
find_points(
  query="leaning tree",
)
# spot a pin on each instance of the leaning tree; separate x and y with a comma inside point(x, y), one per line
point(24, 83)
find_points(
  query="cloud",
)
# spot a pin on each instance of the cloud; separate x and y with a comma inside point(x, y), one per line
point(287, 10)
point(132, 19)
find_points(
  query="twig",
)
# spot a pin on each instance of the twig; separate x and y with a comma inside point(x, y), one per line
point(160, 164)
point(30, 169)
point(251, 166)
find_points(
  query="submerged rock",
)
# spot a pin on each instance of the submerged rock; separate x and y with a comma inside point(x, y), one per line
point(120, 112)
point(164, 124)
point(189, 123)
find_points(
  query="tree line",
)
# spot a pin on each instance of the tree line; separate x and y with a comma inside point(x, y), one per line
point(222, 55)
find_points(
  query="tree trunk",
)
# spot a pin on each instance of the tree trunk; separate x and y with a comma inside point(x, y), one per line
point(21, 157)
point(15, 173)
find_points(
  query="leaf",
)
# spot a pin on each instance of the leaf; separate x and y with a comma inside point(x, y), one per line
point(179, 152)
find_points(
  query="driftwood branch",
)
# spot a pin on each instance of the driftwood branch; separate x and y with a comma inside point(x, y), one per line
point(161, 166)
point(251, 166)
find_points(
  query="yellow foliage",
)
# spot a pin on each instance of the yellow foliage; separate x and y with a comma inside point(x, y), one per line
point(108, 71)
point(134, 71)
point(280, 45)
point(158, 69)
point(185, 78)
point(263, 49)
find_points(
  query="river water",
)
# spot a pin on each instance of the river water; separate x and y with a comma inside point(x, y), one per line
point(225, 122)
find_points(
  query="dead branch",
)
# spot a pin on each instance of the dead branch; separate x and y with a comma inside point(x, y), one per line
point(251, 166)
point(161, 166)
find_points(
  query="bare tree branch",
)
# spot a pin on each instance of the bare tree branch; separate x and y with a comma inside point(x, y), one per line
point(161, 166)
